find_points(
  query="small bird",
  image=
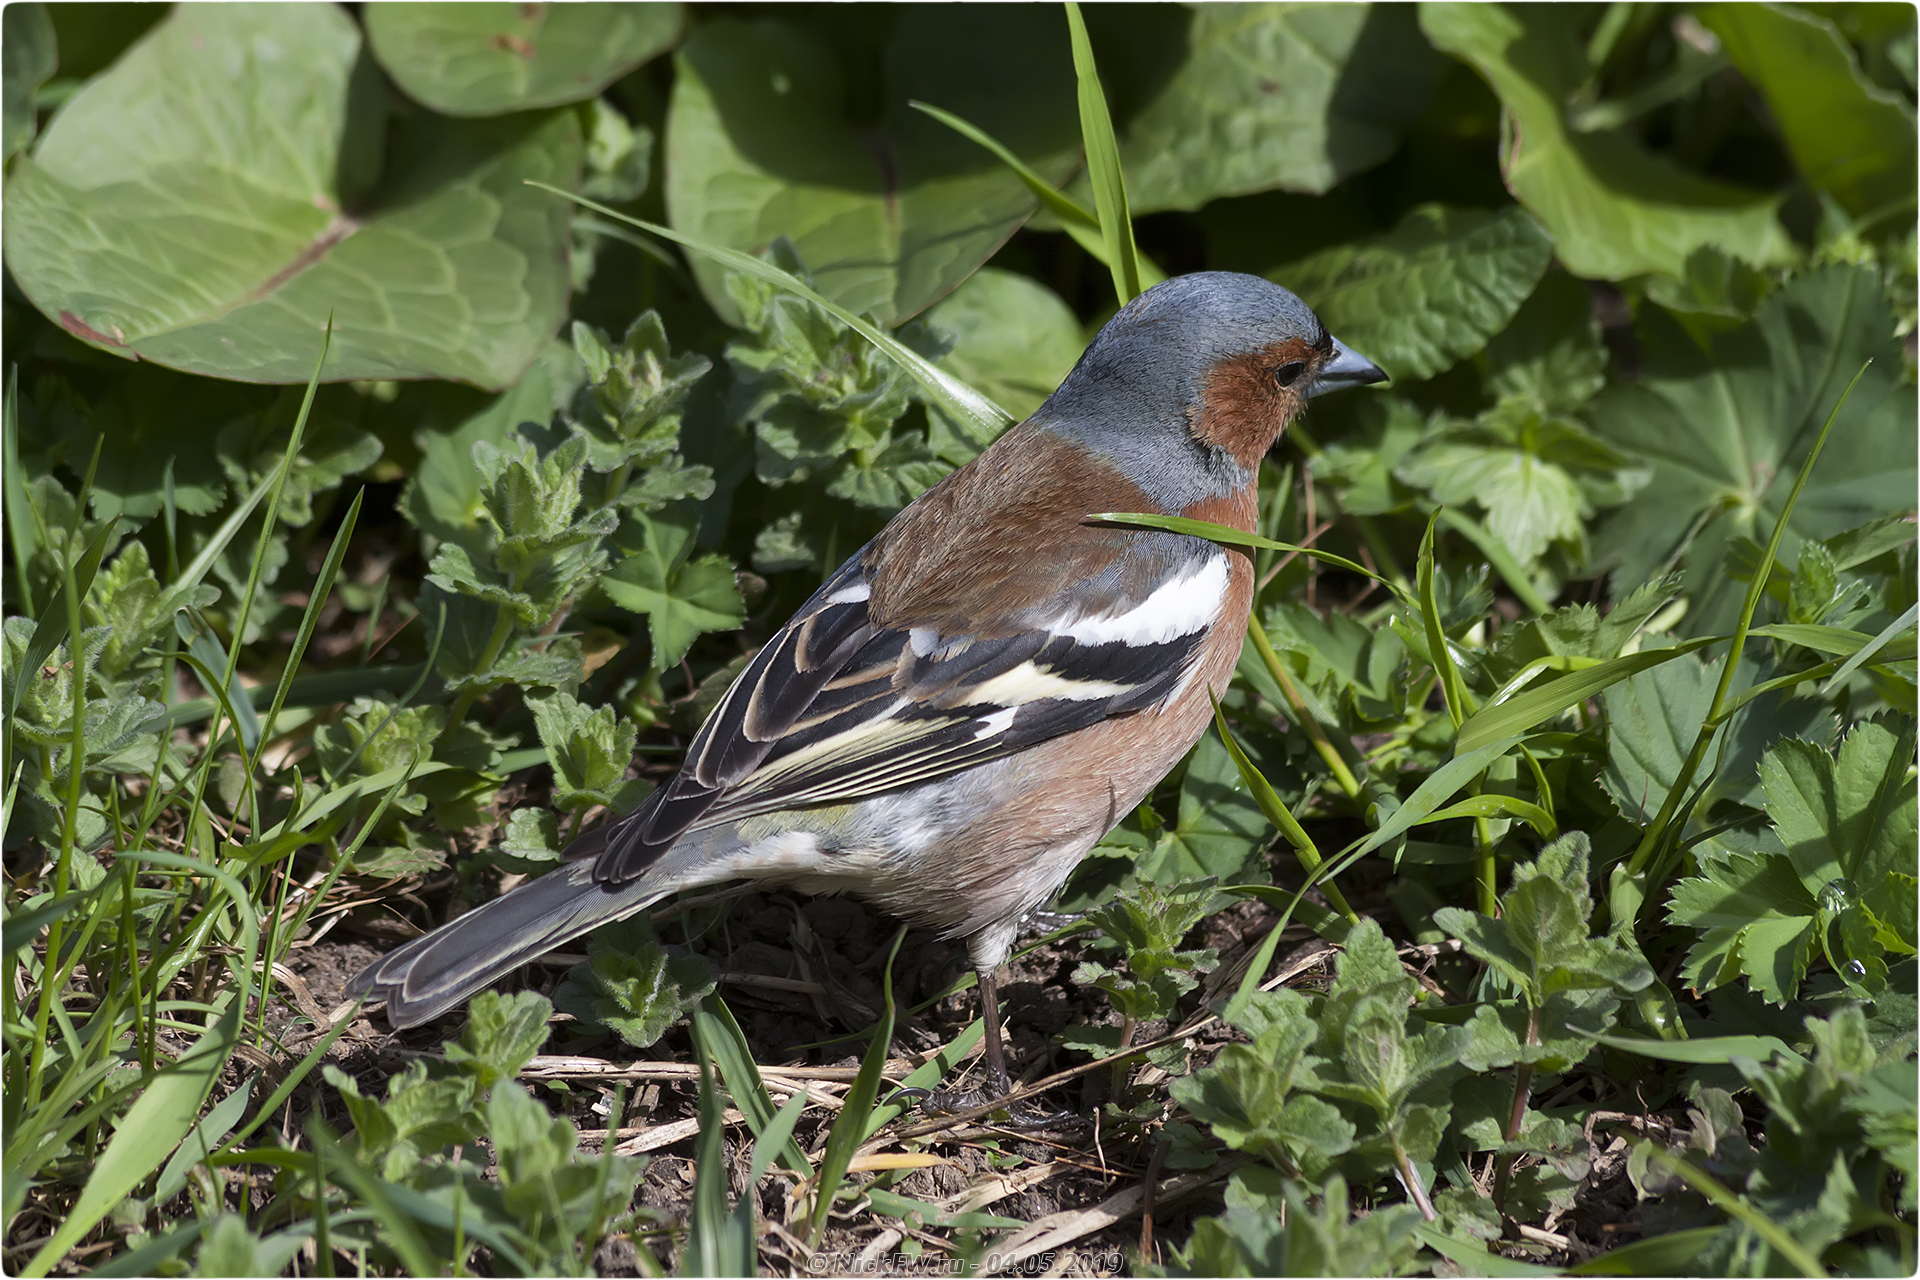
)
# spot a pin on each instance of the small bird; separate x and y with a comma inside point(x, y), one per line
point(978, 695)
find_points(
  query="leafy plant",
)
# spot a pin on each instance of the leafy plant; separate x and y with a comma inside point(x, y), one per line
point(1576, 711)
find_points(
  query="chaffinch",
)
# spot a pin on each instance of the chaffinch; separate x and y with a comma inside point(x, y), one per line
point(978, 695)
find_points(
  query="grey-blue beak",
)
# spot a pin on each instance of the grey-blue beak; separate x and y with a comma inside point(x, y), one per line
point(1348, 368)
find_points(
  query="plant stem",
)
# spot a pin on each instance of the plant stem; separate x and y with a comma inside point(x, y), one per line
point(502, 631)
point(1314, 729)
point(1517, 1114)
point(1650, 842)
point(1403, 1166)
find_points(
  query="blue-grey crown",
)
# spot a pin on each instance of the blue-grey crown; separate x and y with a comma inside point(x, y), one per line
point(1129, 397)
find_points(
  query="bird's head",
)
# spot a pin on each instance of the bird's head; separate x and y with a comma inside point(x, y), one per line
point(1191, 383)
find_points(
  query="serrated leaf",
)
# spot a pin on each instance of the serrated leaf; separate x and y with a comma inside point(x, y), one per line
point(531, 841)
point(1726, 429)
point(1531, 503)
point(589, 749)
point(125, 228)
point(1540, 940)
point(682, 596)
point(1850, 818)
point(890, 214)
point(1614, 209)
point(501, 1035)
point(632, 985)
point(1756, 919)
point(487, 59)
point(1429, 292)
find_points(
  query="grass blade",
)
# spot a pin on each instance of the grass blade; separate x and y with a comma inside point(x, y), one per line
point(1866, 652)
point(1795, 1253)
point(1650, 842)
point(727, 1043)
point(1227, 535)
point(1450, 688)
point(1070, 211)
point(1103, 164)
point(947, 392)
point(147, 1134)
point(714, 1244)
point(20, 529)
point(1526, 711)
point(322, 588)
point(850, 1126)
point(1277, 812)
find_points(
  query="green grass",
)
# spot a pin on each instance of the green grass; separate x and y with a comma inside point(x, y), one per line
point(1553, 849)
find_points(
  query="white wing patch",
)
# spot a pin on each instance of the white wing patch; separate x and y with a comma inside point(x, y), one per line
point(854, 594)
point(1176, 608)
point(1029, 683)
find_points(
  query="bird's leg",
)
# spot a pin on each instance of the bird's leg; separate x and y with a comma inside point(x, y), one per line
point(998, 1083)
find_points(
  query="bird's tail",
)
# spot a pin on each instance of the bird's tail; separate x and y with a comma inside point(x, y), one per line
point(436, 972)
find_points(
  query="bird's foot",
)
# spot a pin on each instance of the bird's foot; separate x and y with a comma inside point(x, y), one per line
point(1019, 1115)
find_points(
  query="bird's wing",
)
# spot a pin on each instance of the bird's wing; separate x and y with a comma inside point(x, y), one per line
point(836, 708)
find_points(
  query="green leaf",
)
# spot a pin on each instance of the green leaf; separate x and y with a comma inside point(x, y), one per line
point(682, 596)
point(1013, 338)
point(890, 214)
point(1654, 716)
point(1550, 357)
point(590, 749)
point(1246, 1095)
point(146, 1134)
point(1539, 941)
point(1220, 830)
point(1271, 1227)
point(1429, 292)
point(1293, 96)
point(501, 1035)
point(632, 985)
point(1104, 173)
point(1614, 209)
point(203, 206)
point(1531, 502)
point(29, 55)
point(1727, 428)
point(1848, 136)
point(1845, 818)
point(487, 59)
point(531, 842)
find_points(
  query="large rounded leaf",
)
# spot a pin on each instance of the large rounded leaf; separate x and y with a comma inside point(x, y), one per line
point(1725, 431)
point(214, 197)
point(1847, 135)
point(485, 59)
point(1615, 209)
point(1429, 292)
point(28, 58)
point(891, 213)
point(1289, 96)
point(1014, 338)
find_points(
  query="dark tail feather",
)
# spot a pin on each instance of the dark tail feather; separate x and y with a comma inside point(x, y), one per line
point(432, 974)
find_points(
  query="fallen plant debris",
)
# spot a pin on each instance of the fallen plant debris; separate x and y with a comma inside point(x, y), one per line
point(1542, 901)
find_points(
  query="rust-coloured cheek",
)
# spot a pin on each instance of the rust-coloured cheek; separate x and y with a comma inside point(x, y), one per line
point(1243, 407)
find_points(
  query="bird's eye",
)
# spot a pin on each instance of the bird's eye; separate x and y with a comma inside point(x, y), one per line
point(1287, 374)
